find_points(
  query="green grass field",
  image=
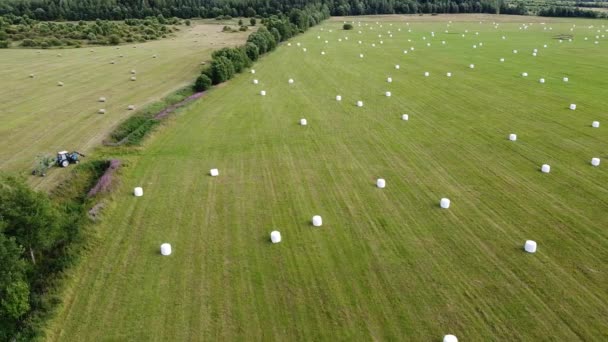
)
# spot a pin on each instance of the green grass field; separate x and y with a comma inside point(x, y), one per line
point(388, 264)
point(40, 117)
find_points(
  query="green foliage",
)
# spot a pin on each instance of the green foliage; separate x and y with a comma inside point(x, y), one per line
point(240, 22)
point(14, 290)
point(347, 26)
point(33, 33)
point(187, 22)
point(114, 39)
point(236, 56)
point(252, 21)
point(4, 44)
point(252, 51)
point(203, 82)
point(30, 216)
point(222, 69)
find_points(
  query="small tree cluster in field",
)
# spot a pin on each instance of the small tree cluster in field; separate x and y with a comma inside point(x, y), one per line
point(203, 82)
point(347, 26)
point(33, 33)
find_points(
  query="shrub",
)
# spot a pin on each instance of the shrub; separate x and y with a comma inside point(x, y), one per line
point(222, 70)
point(28, 43)
point(203, 82)
point(114, 39)
point(226, 29)
point(243, 28)
point(187, 22)
point(252, 51)
point(3, 44)
point(347, 26)
point(240, 22)
point(252, 21)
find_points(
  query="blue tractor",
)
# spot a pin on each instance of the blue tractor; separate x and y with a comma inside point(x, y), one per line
point(65, 158)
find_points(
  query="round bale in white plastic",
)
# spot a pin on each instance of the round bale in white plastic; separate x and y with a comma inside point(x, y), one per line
point(595, 161)
point(595, 124)
point(405, 117)
point(338, 98)
point(165, 249)
point(275, 236)
point(317, 221)
point(444, 203)
point(546, 168)
point(530, 246)
point(513, 137)
point(381, 183)
point(303, 122)
point(214, 172)
point(138, 192)
point(450, 338)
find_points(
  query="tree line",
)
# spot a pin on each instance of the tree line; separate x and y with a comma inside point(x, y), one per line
point(74, 10)
point(45, 34)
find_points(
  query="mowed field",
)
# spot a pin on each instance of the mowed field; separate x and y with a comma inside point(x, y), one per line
point(40, 117)
point(387, 264)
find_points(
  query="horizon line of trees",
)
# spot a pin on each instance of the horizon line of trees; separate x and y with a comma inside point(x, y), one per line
point(75, 10)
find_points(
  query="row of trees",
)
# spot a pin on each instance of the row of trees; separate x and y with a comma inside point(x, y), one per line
point(122, 9)
point(34, 33)
point(34, 234)
point(227, 62)
point(562, 11)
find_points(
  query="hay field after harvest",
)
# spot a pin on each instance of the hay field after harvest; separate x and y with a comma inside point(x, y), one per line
point(38, 116)
point(387, 264)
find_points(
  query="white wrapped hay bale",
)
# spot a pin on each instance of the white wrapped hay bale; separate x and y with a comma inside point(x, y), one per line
point(138, 191)
point(389, 80)
point(101, 111)
point(524, 74)
point(514, 51)
point(595, 124)
point(290, 81)
point(546, 168)
point(102, 99)
point(317, 221)
point(595, 161)
point(359, 103)
point(303, 122)
point(530, 246)
point(565, 79)
point(253, 70)
point(426, 74)
point(397, 66)
point(450, 338)
point(255, 81)
point(542, 80)
point(449, 74)
point(534, 54)
point(502, 60)
point(405, 117)
point(263, 92)
point(131, 107)
point(275, 236)
point(572, 106)
point(387, 94)
point(338, 98)
point(444, 203)
point(214, 172)
point(165, 249)
point(360, 55)
point(513, 137)
point(381, 183)
point(472, 66)
point(322, 53)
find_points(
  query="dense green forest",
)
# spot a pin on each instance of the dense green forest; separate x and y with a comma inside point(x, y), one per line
point(121, 9)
